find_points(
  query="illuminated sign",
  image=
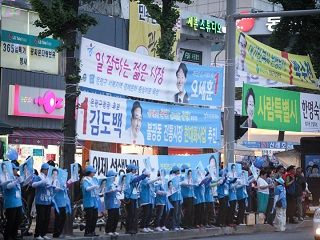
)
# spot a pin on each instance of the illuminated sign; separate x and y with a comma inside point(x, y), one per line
point(208, 26)
point(35, 102)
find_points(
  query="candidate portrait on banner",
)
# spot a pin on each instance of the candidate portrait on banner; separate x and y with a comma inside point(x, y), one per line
point(181, 96)
point(250, 105)
point(133, 134)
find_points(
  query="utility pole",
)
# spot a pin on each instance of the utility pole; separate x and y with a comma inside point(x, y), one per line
point(229, 92)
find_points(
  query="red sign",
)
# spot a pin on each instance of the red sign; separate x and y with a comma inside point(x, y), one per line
point(50, 157)
point(245, 24)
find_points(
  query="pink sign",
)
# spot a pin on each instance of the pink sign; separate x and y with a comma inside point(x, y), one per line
point(36, 102)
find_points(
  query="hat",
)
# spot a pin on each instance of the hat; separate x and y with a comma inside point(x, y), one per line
point(175, 169)
point(280, 181)
point(12, 154)
point(14, 166)
point(111, 173)
point(45, 166)
point(132, 167)
point(90, 169)
point(184, 167)
point(146, 171)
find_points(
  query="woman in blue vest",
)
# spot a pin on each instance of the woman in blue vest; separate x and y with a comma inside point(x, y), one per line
point(199, 204)
point(232, 201)
point(223, 197)
point(13, 205)
point(60, 199)
point(176, 200)
point(209, 199)
point(161, 202)
point(90, 191)
point(187, 191)
point(131, 195)
point(43, 200)
point(112, 205)
point(242, 195)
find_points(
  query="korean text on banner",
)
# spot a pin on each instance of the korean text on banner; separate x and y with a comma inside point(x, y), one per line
point(121, 72)
point(259, 59)
point(111, 119)
point(271, 108)
point(144, 32)
point(104, 161)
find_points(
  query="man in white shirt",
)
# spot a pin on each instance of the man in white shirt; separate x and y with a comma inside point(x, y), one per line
point(133, 134)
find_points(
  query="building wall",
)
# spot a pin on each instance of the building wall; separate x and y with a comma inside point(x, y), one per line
point(32, 79)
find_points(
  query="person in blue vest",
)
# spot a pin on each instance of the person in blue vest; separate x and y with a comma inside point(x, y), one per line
point(12, 205)
point(199, 204)
point(112, 205)
point(187, 191)
point(176, 199)
point(242, 195)
point(146, 200)
point(131, 195)
point(232, 201)
point(280, 205)
point(161, 203)
point(209, 200)
point(90, 192)
point(60, 199)
point(223, 197)
point(43, 200)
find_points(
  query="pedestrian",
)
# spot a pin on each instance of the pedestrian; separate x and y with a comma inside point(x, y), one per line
point(270, 180)
point(187, 191)
point(131, 195)
point(61, 200)
point(290, 184)
point(146, 200)
point(90, 192)
point(12, 205)
point(223, 197)
point(43, 200)
point(241, 192)
point(161, 203)
point(280, 205)
point(112, 204)
point(176, 199)
point(263, 191)
point(301, 187)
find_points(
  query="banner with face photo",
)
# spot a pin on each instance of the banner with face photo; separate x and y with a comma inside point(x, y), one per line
point(234, 170)
point(62, 176)
point(121, 72)
point(53, 174)
point(6, 172)
point(104, 161)
point(111, 119)
point(26, 170)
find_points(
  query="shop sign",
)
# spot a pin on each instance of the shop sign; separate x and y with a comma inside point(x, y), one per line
point(38, 152)
point(50, 157)
point(191, 56)
point(206, 25)
point(36, 102)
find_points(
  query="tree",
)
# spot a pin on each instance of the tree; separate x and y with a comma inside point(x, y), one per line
point(166, 16)
point(301, 34)
point(61, 19)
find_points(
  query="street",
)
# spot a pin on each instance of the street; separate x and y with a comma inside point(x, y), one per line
point(299, 234)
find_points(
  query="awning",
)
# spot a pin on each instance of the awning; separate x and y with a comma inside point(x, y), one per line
point(36, 137)
point(5, 128)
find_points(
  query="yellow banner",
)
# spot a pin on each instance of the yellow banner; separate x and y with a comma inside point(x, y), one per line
point(259, 59)
point(144, 32)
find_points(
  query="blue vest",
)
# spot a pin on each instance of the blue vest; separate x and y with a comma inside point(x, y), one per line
point(160, 199)
point(60, 197)
point(89, 197)
point(280, 190)
point(208, 195)
point(199, 194)
point(232, 193)
point(43, 193)
point(223, 189)
point(12, 197)
point(242, 193)
point(132, 186)
point(146, 192)
point(110, 199)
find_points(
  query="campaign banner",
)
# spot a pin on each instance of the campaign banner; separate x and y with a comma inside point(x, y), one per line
point(280, 109)
point(104, 161)
point(110, 119)
point(121, 72)
point(259, 59)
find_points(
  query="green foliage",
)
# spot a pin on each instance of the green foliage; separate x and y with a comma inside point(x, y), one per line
point(301, 34)
point(166, 16)
point(60, 18)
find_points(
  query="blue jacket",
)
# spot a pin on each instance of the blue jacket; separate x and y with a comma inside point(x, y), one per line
point(12, 196)
point(160, 198)
point(281, 192)
point(223, 189)
point(147, 193)
point(242, 192)
point(132, 184)
point(208, 194)
point(177, 196)
point(110, 198)
point(90, 198)
point(43, 192)
point(232, 192)
point(187, 191)
point(199, 194)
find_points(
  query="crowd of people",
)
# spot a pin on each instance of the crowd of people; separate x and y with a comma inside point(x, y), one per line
point(183, 198)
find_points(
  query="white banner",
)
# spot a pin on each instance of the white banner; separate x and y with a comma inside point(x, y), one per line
point(310, 115)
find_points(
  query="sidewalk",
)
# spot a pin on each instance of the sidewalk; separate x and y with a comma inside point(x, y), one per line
point(189, 234)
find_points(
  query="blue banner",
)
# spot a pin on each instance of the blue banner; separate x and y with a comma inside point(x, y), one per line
point(111, 119)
